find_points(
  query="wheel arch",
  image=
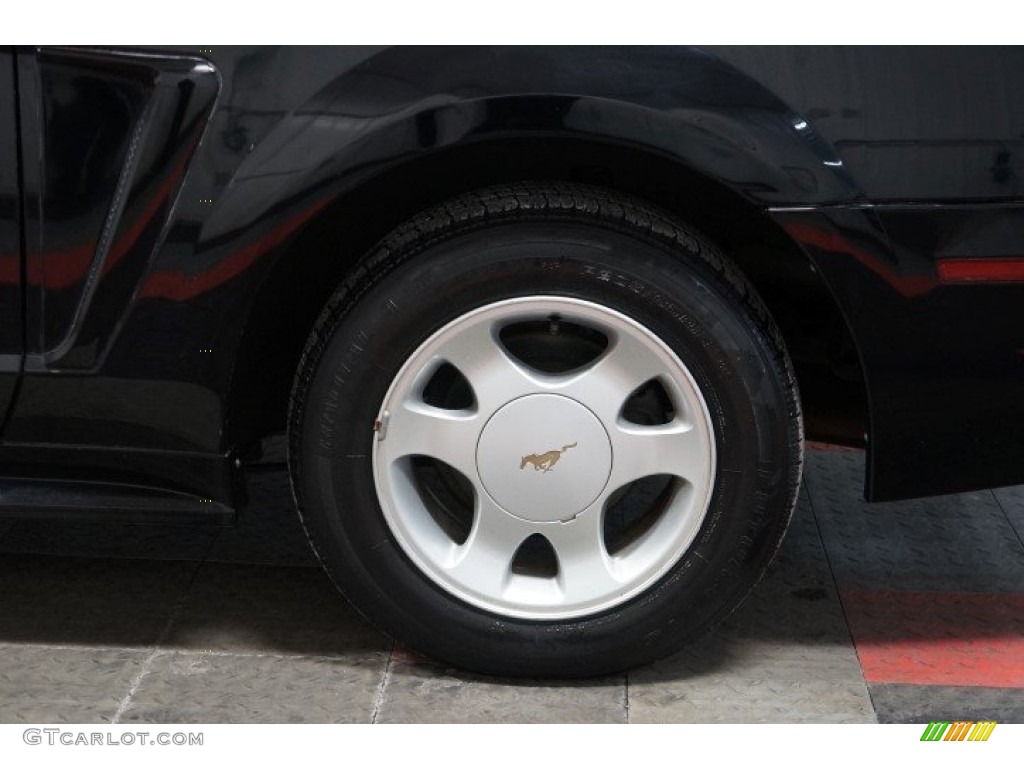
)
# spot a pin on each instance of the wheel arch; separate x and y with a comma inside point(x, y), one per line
point(308, 269)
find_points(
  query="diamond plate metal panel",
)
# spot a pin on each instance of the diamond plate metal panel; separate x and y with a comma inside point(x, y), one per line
point(427, 693)
point(42, 684)
point(88, 601)
point(211, 688)
point(270, 610)
point(960, 543)
point(1012, 502)
point(923, 704)
point(784, 656)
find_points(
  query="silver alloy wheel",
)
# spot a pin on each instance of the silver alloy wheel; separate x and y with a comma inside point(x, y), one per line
point(544, 453)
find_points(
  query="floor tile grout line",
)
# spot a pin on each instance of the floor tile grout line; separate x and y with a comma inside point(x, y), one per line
point(378, 701)
point(214, 539)
point(626, 676)
point(157, 647)
point(136, 682)
point(1009, 520)
point(839, 594)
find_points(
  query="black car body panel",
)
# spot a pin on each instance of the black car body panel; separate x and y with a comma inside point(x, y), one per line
point(10, 240)
point(910, 123)
point(186, 213)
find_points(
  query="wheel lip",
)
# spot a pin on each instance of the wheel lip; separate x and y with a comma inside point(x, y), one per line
point(533, 304)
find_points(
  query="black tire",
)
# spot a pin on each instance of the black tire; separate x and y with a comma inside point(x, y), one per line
point(566, 240)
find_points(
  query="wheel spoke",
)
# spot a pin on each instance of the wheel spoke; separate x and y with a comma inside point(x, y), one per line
point(585, 571)
point(494, 377)
point(418, 429)
point(485, 559)
point(678, 449)
point(605, 386)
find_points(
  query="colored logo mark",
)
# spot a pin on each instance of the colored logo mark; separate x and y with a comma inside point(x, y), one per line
point(545, 462)
point(958, 731)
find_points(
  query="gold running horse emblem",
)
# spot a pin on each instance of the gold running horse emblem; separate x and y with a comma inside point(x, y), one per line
point(544, 461)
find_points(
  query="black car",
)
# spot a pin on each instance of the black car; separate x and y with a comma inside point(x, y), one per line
point(546, 328)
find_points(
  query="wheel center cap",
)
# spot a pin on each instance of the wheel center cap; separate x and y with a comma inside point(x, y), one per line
point(544, 458)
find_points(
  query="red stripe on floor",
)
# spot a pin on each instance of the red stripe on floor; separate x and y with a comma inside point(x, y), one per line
point(934, 638)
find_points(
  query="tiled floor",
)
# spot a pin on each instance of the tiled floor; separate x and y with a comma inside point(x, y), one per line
point(892, 612)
